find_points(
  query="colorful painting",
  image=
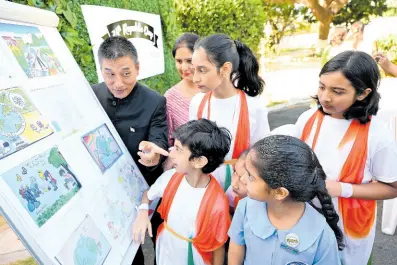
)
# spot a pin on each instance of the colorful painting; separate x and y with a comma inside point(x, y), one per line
point(86, 246)
point(20, 122)
point(31, 50)
point(132, 182)
point(43, 184)
point(102, 146)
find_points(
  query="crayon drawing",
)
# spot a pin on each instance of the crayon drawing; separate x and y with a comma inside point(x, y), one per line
point(114, 213)
point(132, 182)
point(31, 50)
point(43, 184)
point(102, 146)
point(20, 122)
point(86, 246)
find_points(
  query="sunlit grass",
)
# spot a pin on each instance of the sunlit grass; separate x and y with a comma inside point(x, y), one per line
point(29, 261)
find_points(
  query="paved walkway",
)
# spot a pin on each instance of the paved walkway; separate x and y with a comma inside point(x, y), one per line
point(11, 248)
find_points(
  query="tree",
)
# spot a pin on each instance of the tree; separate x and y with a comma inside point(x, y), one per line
point(360, 11)
point(240, 19)
point(338, 11)
point(56, 159)
point(323, 10)
point(281, 18)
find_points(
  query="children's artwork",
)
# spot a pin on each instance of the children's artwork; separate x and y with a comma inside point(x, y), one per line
point(86, 246)
point(21, 124)
point(132, 181)
point(115, 214)
point(31, 50)
point(43, 184)
point(102, 146)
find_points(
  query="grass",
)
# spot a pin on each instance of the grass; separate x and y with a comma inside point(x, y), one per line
point(275, 103)
point(29, 261)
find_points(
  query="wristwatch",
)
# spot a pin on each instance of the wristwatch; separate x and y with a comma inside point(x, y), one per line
point(143, 206)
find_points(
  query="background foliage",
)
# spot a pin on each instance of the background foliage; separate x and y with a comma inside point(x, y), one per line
point(74, 32)
point(388, 45)
point(240, 19)
point(361, 10)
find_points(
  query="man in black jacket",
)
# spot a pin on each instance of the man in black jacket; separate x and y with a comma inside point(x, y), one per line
point(137, 112)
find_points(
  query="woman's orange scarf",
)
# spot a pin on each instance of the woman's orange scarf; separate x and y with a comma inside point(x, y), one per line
point(242, 138)
point(358, 214)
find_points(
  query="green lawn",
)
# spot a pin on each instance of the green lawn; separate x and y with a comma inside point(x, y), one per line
point(275, 103)
point(29, 261)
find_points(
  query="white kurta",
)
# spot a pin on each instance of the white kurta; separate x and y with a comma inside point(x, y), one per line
point(182, 216)
point(381, 165)
point(225, 112)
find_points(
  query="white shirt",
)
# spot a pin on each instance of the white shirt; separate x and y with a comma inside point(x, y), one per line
point(381, 165)
point(182, 216)
point(225, 112)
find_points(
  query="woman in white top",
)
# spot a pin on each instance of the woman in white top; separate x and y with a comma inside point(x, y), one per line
point(226, 72)
point(357, 152)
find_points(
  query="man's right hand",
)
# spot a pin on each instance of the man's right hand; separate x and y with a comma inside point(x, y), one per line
point(142, 223)
point(150, 153)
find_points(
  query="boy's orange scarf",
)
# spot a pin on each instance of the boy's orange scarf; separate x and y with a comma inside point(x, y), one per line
point(358, 214)
point(213, 219)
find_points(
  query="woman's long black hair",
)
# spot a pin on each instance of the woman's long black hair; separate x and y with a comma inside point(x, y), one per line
point(221, 48)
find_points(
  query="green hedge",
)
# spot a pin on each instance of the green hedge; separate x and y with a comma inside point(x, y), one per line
point(240, 19)
point(74, 32)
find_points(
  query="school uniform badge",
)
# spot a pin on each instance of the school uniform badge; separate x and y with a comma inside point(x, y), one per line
point(292, 240)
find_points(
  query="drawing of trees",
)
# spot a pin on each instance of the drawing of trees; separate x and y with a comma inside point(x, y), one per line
point(57, 160)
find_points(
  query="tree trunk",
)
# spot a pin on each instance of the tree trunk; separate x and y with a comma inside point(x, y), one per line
point(69, 171)
point(324, 27)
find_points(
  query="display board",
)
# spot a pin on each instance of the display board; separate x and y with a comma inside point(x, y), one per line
point(68, 186)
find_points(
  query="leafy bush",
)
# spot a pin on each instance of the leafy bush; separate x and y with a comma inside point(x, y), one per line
point(388, 45)
point(73, 30)
point(240, 19)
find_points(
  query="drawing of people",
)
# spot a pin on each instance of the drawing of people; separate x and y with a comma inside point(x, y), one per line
point(34, 187)
point(19, 178)
point(41, 126)
point(34, 128)
point(46, 176)
point(50, 179)
point(27, 194)
point(45, 187)
point(68, 178)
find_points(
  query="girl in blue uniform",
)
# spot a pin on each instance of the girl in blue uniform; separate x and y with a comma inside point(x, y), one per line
point(276, 224)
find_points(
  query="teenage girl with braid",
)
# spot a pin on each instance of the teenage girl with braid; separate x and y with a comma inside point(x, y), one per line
point(277, 224)
point(226, 72)
point(357, 152)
